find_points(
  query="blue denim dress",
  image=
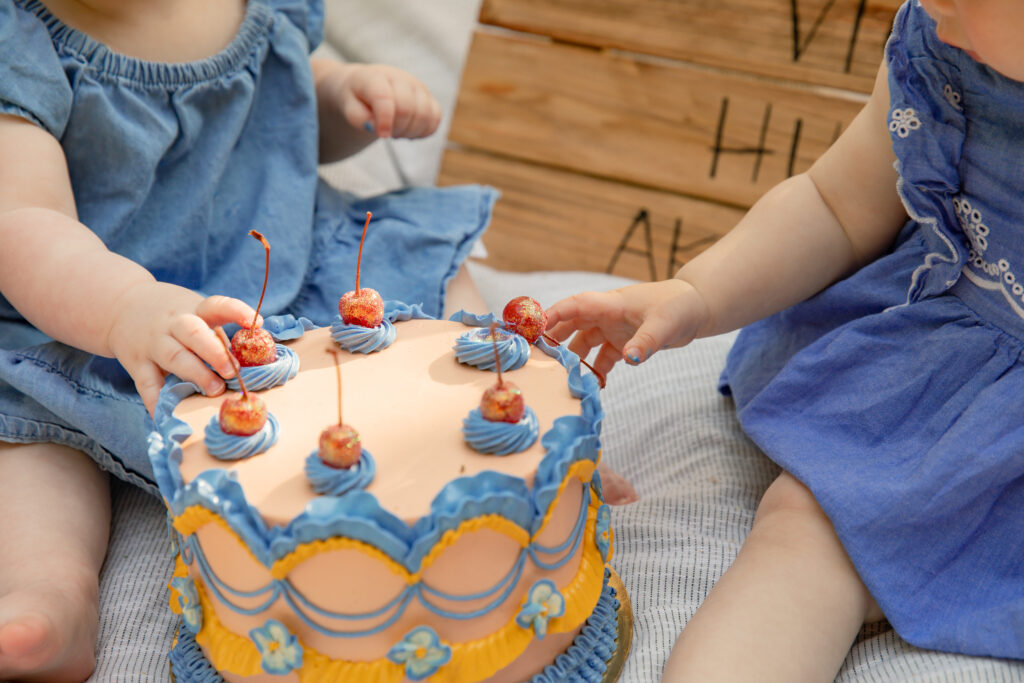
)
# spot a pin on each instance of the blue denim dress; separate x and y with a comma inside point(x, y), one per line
point(171, 165)
point(896, 394)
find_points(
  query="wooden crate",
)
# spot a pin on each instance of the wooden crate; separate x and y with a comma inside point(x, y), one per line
point(627, 135)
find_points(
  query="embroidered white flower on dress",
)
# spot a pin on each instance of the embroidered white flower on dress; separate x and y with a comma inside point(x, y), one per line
point(952, 96)
point(903, 121)
point(973, 225)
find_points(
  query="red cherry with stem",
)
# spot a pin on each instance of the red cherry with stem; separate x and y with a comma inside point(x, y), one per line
point(340, 445)
point(362, 306)
point(525, 316)
point(502, 402)
point(241, 415)
point(253, 345)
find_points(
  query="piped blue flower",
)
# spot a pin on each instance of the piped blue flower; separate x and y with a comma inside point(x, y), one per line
point(278, 646)
point(543, 603)
point(188, 600)
point(422, 653)
point(259, 377)
point(603, 531)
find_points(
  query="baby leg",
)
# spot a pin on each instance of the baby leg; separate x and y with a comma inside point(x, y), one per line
point(55, 512)
point(462, 294)
point(788, 608)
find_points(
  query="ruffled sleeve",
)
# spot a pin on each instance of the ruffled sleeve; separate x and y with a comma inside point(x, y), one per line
point(927, 127)
point(306, 15)
point(32, 81)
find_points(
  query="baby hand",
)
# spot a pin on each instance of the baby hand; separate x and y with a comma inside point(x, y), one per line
point(161, 328)
point(389, 101)
point(632, 322)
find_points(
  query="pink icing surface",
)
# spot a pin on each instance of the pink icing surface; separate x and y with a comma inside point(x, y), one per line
point(407, 402)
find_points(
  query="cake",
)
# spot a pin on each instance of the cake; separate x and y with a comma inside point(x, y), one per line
point(438, 562)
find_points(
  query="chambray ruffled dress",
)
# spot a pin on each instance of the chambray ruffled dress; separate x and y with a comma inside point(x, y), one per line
point(897, 395)
point(171, 165)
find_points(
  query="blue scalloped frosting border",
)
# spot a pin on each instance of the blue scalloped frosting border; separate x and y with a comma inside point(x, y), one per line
point(358, 514)
point(585, 661)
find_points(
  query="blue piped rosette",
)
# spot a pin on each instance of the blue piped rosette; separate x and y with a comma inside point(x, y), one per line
point(259, 377)
point(281, 328)
point(500, 438)
point(474, 348)
point(337, 481)
point(225, 446)
point(359, 339)
point(358, 514)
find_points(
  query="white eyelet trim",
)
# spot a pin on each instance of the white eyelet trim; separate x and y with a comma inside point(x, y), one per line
point(903, 121)
point(952, 96)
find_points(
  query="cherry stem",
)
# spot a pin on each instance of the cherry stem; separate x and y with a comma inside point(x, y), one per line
point(600, 377)
point(266, 274)
point(337, 374)
point(234, 361)
point(359, 260)
point(494, 341)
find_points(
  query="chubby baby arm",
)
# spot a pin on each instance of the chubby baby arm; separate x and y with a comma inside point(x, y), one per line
point(358, 103)
point(64, 280)
point(631, 322)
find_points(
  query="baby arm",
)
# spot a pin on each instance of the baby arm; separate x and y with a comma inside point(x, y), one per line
point(358, 103)
point(64, 281)
point(804, 234)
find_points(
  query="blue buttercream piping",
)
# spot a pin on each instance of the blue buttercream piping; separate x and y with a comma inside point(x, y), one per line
point(359, 339)
point(358, 514)
point(500, 438)
point(337, 481)
point(260, 377)
point(473, 348)
point(233, 447)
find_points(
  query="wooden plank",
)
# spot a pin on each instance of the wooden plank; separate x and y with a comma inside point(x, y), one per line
point(678, 128)
point(837, 43)
point(548, 219)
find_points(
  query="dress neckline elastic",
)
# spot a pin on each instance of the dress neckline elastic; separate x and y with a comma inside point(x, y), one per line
point(104, 60)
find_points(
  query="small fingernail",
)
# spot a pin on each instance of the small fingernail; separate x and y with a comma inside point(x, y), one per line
point(368, 126)
point(633, 355)
point(213, 388)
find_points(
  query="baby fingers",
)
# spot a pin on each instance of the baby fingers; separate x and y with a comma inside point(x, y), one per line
point(195, 336)
point(175, 358)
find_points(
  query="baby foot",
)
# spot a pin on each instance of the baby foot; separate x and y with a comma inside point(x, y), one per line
point(48, 632)
point(616, 488)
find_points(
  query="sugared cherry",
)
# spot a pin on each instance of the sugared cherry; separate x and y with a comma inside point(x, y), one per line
point(253, 345)
point(362, 306)
point(525, 316)
point(340, 445)
point(241, 415)
point(502, 402)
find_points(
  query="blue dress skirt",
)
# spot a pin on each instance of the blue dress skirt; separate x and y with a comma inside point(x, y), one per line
point(895, 395)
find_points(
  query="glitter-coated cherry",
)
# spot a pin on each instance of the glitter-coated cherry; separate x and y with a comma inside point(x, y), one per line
point(340, 445)
point(502, 402)
point(244, 414)
point(362, 306)
point(253, 345)
point(525, 316)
